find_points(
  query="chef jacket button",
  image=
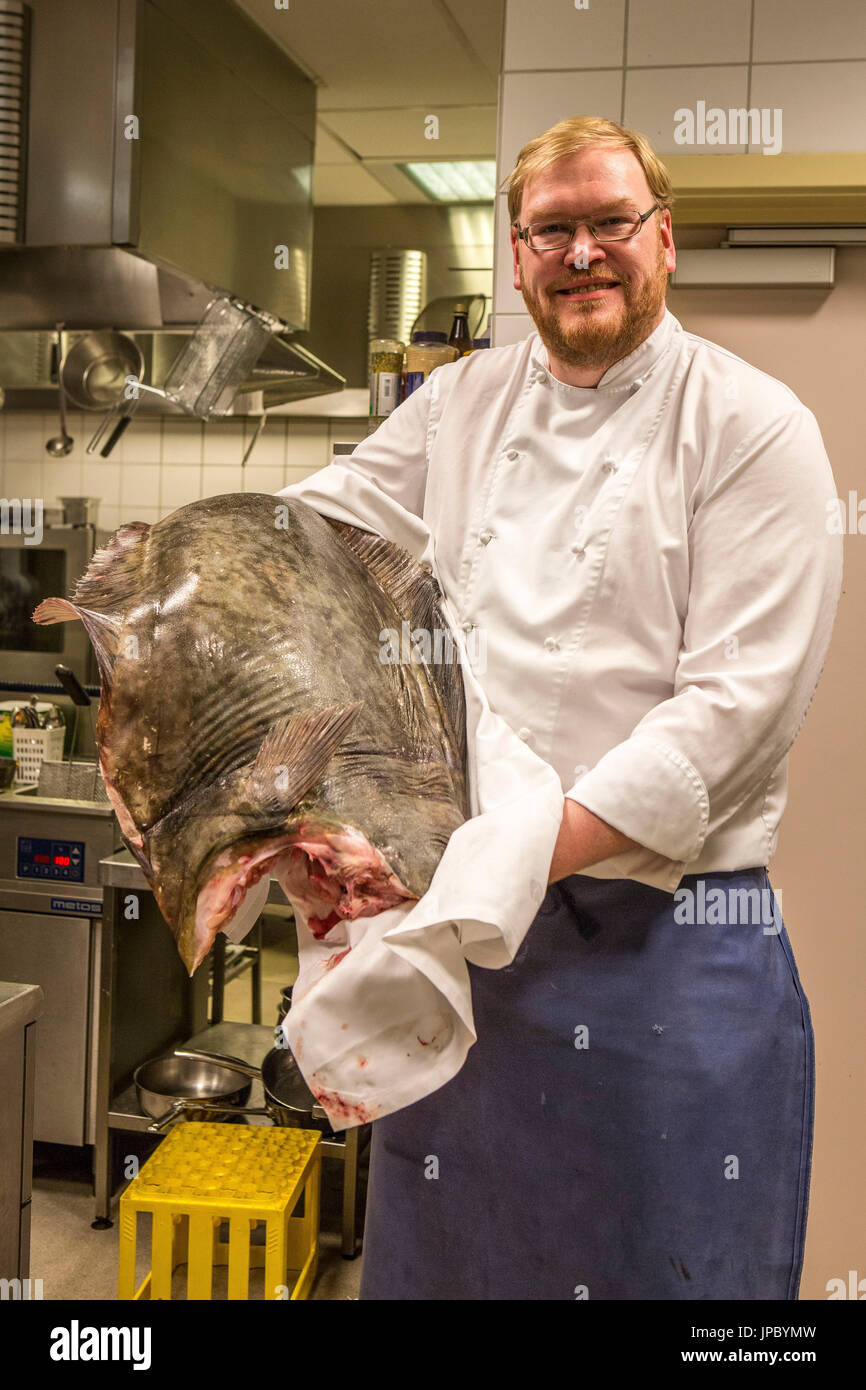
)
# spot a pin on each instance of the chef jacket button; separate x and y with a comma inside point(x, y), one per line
point(540, 377)
point(525, 734)
point(609, 466)
point(467, 627)
point(551, 644)
point(512, 454)
point(486, 537)
point(579, 551)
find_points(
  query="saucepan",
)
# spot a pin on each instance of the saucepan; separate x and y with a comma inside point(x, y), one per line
point(170, 1087)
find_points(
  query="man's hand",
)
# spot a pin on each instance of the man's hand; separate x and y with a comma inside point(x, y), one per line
point(583, 839)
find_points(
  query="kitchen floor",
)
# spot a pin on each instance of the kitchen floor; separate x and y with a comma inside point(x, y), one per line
point(77, 1263)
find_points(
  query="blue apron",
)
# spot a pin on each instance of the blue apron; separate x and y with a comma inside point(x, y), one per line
point(634, 1122)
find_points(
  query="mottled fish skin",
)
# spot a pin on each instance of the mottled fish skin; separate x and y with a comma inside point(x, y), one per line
point(219, 626)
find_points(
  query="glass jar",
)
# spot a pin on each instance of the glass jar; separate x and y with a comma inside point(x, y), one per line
point(428, 349)
point(385, 371)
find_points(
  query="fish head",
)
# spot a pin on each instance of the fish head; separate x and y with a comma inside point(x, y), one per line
point(201, 872)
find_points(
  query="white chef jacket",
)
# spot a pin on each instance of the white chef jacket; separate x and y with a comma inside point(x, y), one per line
point(644, 566)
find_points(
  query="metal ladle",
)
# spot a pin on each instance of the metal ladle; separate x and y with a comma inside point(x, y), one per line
point(59, 445)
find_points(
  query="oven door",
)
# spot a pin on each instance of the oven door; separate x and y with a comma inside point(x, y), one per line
point(28, 574)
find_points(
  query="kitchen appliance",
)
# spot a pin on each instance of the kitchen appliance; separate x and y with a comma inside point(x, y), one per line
point(20, 1007)
point(168, 150)
point(30, 573)
point(115, 990)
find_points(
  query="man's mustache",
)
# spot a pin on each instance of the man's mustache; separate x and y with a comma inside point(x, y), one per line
point(596, 279)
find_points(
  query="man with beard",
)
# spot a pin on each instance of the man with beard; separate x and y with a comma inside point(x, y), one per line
point(635, 519)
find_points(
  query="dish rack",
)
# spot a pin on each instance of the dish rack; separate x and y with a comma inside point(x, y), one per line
point(30, 747)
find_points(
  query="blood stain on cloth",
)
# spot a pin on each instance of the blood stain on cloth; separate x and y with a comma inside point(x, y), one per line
point(335, 960)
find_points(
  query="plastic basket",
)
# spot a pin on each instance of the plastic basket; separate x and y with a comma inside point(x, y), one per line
point(30, 746)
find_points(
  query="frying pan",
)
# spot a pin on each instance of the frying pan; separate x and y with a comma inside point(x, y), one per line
point(288, 1099)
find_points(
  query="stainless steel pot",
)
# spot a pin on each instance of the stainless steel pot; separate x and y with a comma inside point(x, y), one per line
point(95, 369)
point(173, 1086)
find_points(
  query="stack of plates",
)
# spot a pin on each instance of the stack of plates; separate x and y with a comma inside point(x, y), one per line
point(13, 99)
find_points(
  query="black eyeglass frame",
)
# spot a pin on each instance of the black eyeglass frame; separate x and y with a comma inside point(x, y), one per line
point(523, 232)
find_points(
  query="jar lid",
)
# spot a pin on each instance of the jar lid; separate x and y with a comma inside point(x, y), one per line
point(429, 335)
point(481, 342)
point(461, 308)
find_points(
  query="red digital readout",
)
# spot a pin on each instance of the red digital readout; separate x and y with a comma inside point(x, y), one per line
point(61, 858)
point(42, 858)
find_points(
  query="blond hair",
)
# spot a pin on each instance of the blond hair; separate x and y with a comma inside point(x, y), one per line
point(577, 133)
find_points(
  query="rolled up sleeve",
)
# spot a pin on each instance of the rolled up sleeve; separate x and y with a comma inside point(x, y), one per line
point(765, 578)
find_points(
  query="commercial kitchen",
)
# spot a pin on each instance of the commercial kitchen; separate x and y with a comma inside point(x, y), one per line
point(235, 236)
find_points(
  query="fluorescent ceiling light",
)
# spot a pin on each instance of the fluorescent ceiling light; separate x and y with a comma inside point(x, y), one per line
point(464, 181)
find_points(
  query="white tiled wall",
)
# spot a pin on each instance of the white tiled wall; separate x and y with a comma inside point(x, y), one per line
point(639, 63)
point(160, 465)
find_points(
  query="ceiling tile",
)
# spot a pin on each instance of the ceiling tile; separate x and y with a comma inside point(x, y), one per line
point(341, 184)
point(393, 52)
point(467, 132)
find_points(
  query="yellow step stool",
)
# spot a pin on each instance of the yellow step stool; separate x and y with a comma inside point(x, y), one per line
point(205, 1173)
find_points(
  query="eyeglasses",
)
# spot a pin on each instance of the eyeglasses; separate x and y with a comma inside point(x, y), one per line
point(616, 226)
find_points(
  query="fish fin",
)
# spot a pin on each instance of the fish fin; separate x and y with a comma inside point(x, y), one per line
point(102, 629)
point(113, 576)
point(55, 610)
point(295, 753)
point(415, 594)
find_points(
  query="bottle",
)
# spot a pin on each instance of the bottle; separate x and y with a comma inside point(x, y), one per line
point(460, 337)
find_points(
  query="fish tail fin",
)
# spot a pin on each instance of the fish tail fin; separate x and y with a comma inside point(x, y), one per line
point(295, 752)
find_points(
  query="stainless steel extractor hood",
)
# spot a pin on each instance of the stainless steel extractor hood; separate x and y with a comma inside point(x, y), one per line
point(165, 157)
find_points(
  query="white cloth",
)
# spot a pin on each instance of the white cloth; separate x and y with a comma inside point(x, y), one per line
point(390, 1020)
point(648, 585)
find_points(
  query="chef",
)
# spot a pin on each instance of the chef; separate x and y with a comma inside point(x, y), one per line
point(633, 520)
